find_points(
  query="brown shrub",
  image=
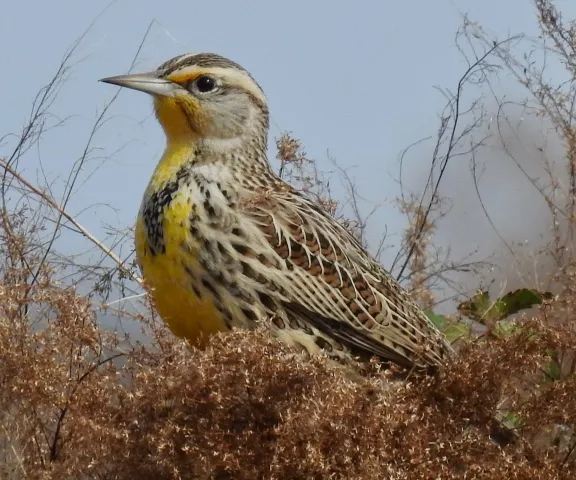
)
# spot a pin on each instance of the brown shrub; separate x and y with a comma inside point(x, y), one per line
point(248, 407)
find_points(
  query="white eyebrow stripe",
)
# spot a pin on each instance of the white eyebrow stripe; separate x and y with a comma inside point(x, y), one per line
point(233, 76)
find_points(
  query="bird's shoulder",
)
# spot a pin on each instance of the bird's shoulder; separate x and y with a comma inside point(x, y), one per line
point(292, 220)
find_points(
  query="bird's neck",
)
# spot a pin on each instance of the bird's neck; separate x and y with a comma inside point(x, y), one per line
point(187, 147)
point(241, 154)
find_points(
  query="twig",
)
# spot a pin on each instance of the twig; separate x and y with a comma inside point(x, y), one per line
point(451, 145)
point(52, 203)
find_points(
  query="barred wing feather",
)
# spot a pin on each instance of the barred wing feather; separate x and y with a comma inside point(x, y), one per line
point(331, 282)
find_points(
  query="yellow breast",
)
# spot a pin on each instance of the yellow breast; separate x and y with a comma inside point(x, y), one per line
point(172, 272)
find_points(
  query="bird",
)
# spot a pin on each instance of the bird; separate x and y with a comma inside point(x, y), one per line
point(224, 243)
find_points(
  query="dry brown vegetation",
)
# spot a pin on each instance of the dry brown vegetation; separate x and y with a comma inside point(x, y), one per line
point(246, 407)
point(81, 400)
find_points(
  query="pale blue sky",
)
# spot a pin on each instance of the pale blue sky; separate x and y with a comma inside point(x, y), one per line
point(352, 78)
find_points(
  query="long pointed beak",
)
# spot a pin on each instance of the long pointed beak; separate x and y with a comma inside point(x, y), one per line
point(145, 82)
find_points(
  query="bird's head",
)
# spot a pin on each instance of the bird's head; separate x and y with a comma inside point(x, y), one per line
point(202, 97)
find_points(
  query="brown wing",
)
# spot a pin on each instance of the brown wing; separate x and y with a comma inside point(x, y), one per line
point(331, 282)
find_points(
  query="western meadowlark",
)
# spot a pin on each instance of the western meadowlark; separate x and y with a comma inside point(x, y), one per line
point(223, 242)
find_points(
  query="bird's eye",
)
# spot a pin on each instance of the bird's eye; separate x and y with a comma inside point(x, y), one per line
point(205, 84)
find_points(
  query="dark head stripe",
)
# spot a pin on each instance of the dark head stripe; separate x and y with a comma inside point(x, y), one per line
point(205, 60)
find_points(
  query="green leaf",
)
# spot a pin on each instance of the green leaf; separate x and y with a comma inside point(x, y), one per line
point(438, 320)
point(505, 328)
point(452, 330)
point(484, 310)
point(455, 331)
point(522, 299)
point(553, 370)
point(477, 306)
point(512, 420)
